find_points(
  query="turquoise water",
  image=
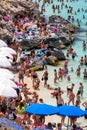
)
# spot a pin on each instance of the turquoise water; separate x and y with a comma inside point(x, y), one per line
point(63, 12)
point(77, 46)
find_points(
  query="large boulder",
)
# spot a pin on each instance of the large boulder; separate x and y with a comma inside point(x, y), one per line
point(28, 44)
point(65, 41)
point(52, 60)
point(6, 36)
point(37, 67)
point(53, 42)
point(59, 55)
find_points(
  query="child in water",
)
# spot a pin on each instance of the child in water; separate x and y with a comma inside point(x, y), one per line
point(68, 78)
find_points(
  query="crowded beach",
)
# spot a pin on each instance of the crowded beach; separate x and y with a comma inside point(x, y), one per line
point(45, 85)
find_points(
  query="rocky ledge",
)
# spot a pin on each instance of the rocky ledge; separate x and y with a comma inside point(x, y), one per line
point(57, 33)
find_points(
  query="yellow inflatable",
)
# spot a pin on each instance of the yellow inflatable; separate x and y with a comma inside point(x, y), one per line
point(71, 13)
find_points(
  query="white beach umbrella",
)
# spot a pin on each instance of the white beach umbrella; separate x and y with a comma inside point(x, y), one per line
point(6, 54)
point(5, 73)
point(8, 49)
point(5, 57)
point(4, 82)
point(4, 62)
point(2, 43)
point(8, 92)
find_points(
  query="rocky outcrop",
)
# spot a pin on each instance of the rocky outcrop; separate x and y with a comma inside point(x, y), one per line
point(34, 44)
point(58, 54)
point(53, 42)
point(52, 60)
point(10, 30)
point(66, 25)
point(37, 67)
point(4, 34)
point(12, 8)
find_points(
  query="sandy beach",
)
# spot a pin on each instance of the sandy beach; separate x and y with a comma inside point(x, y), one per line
point(44, 93)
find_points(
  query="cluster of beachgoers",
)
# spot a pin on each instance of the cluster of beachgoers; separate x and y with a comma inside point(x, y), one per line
point(57, 8)
point(31, 84)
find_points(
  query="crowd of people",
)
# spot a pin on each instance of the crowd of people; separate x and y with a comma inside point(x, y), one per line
point(14, 108)
point(57, 8)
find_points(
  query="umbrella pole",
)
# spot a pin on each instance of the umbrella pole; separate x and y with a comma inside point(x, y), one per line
point(68, 124)
point(8, 102)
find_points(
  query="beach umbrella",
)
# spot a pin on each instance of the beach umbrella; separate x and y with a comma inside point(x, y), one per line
point(5, 63)
point(4, 82)
point(2, 44)
point(6, 54)
point(7, 92)
point(70, 111)
point(86, 112)
point(9, 123)
point(8, 49)
point(6, 57)
point(5, 73)
point(41, 109)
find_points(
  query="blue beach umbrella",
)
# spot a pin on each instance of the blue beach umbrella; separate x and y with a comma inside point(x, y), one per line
point(86, 112)
point(70, 111)
point(8, 123)
point(41, 109)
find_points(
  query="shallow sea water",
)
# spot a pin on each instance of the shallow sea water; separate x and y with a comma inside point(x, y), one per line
point(81, 4)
